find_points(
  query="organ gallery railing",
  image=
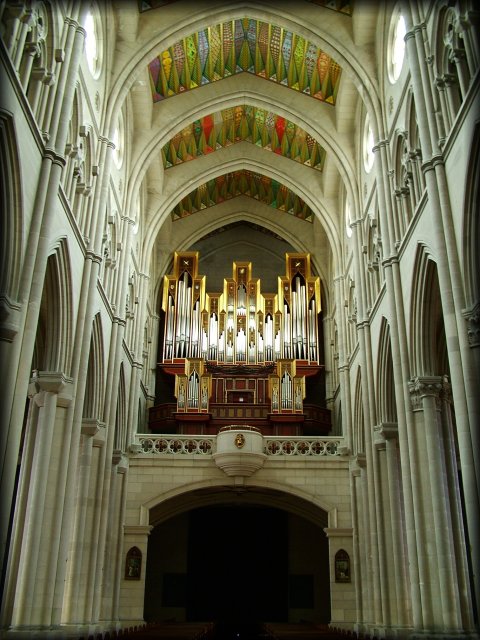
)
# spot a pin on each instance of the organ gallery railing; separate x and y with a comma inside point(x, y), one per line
point(205, 446)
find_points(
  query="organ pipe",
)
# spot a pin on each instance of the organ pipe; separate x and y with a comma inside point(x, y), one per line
point(241, 324)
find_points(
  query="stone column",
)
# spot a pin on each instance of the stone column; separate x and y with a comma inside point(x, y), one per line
point(400, 361)
point(443, 583)
point(343, 369)
point(355, 479)
point(382, 513)
point(387, 440)
point(464, 375)
point(34, 583)
point(133, 590)
point(92, 439)
point(387, 589)
point(86, 310)
point(460, 539)
point(115, 355)
point(368, 404)
point(31, 285)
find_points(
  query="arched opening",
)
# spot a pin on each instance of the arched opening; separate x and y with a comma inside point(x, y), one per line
point(223, 556)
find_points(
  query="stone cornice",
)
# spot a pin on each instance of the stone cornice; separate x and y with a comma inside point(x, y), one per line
point(339, 532)
point(137, 529)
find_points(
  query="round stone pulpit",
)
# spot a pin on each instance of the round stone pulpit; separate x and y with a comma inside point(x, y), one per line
point(239, 450)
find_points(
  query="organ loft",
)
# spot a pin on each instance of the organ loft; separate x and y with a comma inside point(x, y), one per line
point(240, 355)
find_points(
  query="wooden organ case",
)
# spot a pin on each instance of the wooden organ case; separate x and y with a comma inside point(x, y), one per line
point(241, 356)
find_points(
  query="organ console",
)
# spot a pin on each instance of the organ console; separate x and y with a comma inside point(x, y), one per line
point(240, 354)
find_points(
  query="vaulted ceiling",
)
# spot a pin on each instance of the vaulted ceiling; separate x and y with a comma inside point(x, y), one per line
point(244, 114)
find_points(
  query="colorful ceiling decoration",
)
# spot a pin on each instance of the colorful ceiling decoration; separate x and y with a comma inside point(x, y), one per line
point(243, 182)
point(243, 123)
point(245, 45)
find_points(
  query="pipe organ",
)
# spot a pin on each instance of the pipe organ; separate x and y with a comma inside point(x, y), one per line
point(241, 325)
point(241, 355)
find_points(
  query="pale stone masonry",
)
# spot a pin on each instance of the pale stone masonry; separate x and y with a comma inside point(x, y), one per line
point(381, 515)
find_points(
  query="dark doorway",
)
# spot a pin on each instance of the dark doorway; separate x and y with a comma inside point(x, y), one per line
point(238, 564)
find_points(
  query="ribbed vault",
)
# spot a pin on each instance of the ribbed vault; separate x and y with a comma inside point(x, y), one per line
point(244, 113)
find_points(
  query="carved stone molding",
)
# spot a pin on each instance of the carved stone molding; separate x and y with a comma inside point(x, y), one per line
point(361, 460)
point(472, 317)
point(52, 382)
point(423, 386)
point(9, 318)
point(338, 532)
point(90, 427)
point(383, 432)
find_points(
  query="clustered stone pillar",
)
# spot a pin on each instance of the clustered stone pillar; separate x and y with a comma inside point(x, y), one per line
point(464, 375)
point(51, 393)
point(446, 563)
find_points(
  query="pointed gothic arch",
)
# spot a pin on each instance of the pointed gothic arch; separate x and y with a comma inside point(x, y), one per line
point(94, 388)
point(11, 221)
point(387, 410)
point(471, 223)
point(429, 347)
point(53, 344)
point(120, 438)
point(358, 438)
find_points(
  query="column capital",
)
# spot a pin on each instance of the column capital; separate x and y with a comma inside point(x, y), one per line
point(94, 257)
point(380, 144)
point(9, 318)
point(55, 382)
point(361, 460)
point(91, 426)
point(386, 431)
point(55, 158)
point(472, 317)
point(422, 387)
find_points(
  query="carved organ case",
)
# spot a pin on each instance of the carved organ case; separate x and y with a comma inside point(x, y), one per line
point(193, 388)
point(183, 303)
point(286, 389)
point(241, 325)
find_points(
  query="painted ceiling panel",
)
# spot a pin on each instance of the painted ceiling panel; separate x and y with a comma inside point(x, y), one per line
point(243, 182)
point(244, 45)
point(243, 123)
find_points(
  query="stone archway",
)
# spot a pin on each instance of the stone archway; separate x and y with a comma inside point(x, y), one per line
point(256, 555)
